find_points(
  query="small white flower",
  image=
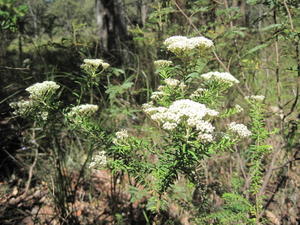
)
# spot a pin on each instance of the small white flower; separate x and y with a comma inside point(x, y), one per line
point(162, 63)
point(224, 77)
point(201, 42)
point(204, 126)
point(206, 138)
point(157, 95)
point(41, 90)
point(169, 126)
point(197, 93)
point(179, 44)
point(148, 105)
point(122, 134)
point(96, 63)
point(22, 107)
point(239, 129)
point(98, 161)
point(174, 39)
point(212, 112)
point(44, 115)
point(172, 82)
point(83, 110)
point(161, 87)
point(238, 108)
point(182, 85)
point(259, 98)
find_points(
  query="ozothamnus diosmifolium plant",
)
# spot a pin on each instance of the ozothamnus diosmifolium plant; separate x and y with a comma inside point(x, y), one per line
point(190, 110)
point(186, 106)
point(52, 122)
point(41, 102)
point(93, 69)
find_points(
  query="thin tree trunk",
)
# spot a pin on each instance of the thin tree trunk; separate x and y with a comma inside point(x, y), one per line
point(112, 28)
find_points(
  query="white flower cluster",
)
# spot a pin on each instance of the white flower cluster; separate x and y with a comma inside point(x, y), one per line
point(238, 108)
point(40, 90)
point(206, 138)
point(96, 63)
point(179, 44)
point(259, 98)
point(172, 82)
point(98, 161)
point(197, 93)
point(157, 95)
point(121, 136)
point(220, 76)
point(85, 110)
point(184, 110)
point(162, 63)
point(239, 129)
point(22, 107)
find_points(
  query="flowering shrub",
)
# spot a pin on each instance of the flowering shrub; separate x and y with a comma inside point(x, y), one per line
point(189, 111)
point(188, 107)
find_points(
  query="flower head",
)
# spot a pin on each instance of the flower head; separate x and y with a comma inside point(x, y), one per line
point(172, 82)
point(157, 95)
point(182, 110)
point(238, 108)
point(162, 63)
point(99, 160)
point(180, 44)
point(96, 63)
point(41, 90)
point(174, 39)
point(219, 76)
point(22, 107)
point(239, 129)
point(122, 134)
point(85, 110)
point(206, 138)
point(258, 98)
point(169, 126)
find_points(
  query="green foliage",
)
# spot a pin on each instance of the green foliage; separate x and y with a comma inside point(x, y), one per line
point(258, 41)
point(10, 14)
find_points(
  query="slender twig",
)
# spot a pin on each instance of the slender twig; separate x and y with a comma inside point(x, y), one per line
point(195, 28)
point(30, 172)
point(13, 68)
point(298, 63)
point(289, 15)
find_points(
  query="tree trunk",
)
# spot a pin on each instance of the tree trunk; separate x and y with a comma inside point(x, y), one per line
point(112, 27)
point(142, 9)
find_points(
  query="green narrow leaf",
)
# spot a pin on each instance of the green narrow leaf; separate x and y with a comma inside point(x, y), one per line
point(257, 48)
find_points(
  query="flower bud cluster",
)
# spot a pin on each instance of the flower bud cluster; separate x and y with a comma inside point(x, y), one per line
point(172, 82)
point(239, 129)
point(85, 110)
point(95, 63)
point(22, 107)
point(41, 90)
point(121, 137)
point(238, 108)
point(180, 44)
point(197, 93)
point(157, 95)
point(183, 111)
point(162, 63)
point(258, 98)
point(219, 76)
point(98, 161)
